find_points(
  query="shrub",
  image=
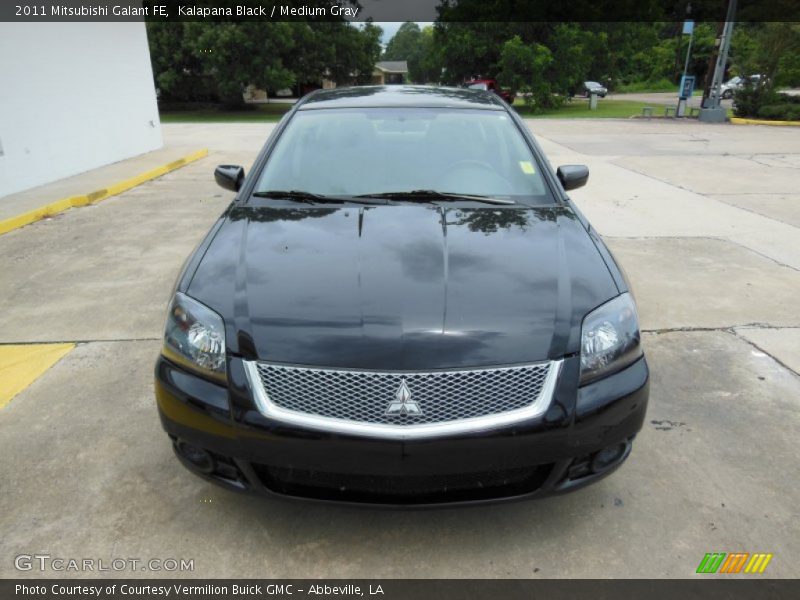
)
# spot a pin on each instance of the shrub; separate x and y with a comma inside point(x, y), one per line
point(780, 112)
point(748, 100)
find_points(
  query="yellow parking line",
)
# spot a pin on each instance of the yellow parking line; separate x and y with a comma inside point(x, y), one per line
point(20, 365)
point(740, 121)
point(58, 206)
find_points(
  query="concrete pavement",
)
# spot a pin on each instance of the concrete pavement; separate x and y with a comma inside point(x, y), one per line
point(678, 179)
point(87, 471)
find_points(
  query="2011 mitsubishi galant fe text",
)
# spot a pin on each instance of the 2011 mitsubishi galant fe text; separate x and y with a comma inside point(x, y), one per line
point(402, 306)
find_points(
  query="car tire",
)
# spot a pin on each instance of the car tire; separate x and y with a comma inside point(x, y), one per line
point(727, 95)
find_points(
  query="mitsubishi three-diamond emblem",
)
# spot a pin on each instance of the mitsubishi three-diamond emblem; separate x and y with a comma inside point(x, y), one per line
point(402, 403)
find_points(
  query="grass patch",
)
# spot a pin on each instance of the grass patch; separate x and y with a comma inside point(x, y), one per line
point(644, 87)
point(579, 109)
point(262, 113)
point(651, 87)
point(270, 113)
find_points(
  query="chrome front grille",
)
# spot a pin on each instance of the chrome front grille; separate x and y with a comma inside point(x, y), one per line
point(433, 403)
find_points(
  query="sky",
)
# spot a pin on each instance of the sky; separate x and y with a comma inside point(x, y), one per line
point(390, 28)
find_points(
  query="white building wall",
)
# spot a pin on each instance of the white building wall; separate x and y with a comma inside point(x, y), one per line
point(73, 96)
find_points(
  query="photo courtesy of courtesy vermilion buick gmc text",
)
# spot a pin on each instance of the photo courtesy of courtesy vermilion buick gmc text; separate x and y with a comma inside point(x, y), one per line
point(402, 306)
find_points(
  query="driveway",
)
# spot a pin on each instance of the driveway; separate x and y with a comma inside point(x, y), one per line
point(705, 219)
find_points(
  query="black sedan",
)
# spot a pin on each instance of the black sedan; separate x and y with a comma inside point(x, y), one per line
point(402, 306)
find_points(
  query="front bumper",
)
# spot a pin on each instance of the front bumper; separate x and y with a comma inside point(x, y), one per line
point(585, 434)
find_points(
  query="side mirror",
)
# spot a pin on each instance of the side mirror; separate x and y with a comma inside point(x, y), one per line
point(229, 177)
point(573, 176)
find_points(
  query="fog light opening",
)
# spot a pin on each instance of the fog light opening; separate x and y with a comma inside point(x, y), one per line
point(609, 457)
point(200, 459)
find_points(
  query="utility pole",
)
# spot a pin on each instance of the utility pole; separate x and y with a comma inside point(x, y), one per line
point(712, 112)
point(712, 62)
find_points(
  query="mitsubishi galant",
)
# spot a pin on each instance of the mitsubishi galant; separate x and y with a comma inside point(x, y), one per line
point(402, 306)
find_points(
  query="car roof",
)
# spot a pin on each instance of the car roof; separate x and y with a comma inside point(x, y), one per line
point(408, 96)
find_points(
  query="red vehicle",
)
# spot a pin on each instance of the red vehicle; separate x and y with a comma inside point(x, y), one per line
point(491, 86)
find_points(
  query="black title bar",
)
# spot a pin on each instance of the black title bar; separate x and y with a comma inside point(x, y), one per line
point(395, 10)
point(703, 587)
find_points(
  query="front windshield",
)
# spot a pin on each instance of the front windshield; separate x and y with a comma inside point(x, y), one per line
point(479, 86)
point(348, 152)
point(592, 84)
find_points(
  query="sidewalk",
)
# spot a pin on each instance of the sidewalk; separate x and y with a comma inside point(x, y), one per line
point(105, 178)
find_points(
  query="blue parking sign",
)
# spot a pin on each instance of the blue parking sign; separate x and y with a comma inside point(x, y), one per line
point(687, 87)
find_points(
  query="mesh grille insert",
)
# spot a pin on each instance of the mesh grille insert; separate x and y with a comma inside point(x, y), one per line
point(430, 397)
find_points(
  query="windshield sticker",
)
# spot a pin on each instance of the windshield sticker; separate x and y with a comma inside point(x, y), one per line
point(527, 167)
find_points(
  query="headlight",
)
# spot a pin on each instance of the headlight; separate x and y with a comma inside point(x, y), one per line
point(610, 338)
point(195, 337)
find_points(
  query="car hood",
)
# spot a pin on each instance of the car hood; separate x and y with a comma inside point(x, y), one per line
point(402, 287)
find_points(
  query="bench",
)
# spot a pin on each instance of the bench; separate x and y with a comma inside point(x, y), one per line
point(647, 111)
point(694, 111)
point(669, 111)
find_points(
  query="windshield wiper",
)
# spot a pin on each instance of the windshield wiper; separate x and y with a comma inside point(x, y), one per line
point(429, 195)
point(309, 197)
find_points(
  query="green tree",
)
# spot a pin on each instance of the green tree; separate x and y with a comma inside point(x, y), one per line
point(426, 66)
point(355, 52)
point(571, 48)
point(404, 44)
point(311, 50)
point(771, 49)
point(203, 61)
point(236, 55)
point(176, 67)
point(469, 49)
point(335, 50)
point(419, 49)
point(618, 49)
point(523, 67)
point(705, 36)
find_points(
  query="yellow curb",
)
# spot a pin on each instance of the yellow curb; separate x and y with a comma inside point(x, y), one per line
point(740, 121)
point(59, 206)
point(20, 365)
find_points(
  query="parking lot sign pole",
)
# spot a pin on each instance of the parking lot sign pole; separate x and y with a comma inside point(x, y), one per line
point(712, 112)
point(688, 27)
